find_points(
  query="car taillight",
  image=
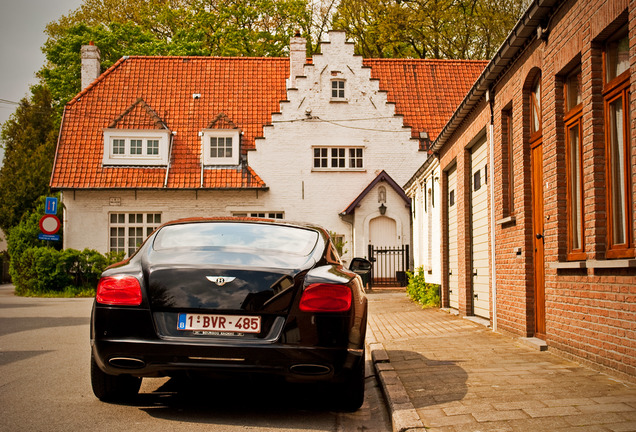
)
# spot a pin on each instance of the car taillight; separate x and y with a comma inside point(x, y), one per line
point(119, 291)
point(324, 297)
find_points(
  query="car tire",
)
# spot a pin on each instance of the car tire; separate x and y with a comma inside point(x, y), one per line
point(350, 394)
point(113, 388)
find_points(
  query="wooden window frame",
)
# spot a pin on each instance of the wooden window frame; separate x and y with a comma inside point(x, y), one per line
point(535, 107)
point(573, 119)
point(508, 177)
point(617, 89)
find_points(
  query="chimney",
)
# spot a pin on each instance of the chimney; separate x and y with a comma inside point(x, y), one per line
point(91, 67)
point(297, 58)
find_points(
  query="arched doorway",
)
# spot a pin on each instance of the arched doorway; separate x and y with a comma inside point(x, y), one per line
point(383, 232)
point(389, 256)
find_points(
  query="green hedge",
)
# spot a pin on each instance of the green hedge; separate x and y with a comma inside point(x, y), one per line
point(47, 271)
point(426, 294)
point(42, 268)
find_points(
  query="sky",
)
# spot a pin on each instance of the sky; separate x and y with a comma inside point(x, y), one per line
point(22, 24)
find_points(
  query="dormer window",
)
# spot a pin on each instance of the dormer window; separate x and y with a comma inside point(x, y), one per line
point(140, 147)
point(338, 90)
point(220, 147)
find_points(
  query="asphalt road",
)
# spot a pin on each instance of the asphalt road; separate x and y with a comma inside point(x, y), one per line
point(45, 386)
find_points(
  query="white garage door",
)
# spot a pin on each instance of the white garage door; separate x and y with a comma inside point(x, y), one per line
point(453, 263)
point(479, 225)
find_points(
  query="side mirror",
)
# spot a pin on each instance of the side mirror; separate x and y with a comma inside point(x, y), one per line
point(360, 265)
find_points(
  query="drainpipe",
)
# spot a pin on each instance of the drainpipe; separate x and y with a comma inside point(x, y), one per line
point(493, 270)
point(202, 156)
point(165, 180)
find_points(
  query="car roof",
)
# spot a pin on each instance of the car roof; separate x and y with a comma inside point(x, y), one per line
point(243, 219)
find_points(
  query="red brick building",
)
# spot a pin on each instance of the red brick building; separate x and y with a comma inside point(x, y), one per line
point(548, 131)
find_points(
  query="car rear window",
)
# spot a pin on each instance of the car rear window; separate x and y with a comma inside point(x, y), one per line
point(239, 236)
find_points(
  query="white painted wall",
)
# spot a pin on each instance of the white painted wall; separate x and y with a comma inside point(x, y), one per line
point(426, 200)
point(87, 213)
point(284, 157)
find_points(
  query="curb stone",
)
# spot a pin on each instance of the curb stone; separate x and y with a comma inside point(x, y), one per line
point(404, 418)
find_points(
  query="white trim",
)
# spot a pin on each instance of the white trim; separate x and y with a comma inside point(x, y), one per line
point(161, 135)
point(208, 160)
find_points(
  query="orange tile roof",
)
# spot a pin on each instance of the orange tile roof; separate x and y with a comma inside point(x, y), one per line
point(157, 92)
point(425, 92)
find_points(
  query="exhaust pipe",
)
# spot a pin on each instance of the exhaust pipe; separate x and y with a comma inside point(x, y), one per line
point(310, 369)
point(126, 363)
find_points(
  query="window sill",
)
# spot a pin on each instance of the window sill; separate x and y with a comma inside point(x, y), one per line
point(609, 264)
point(338, 170)
point(506, 220)
point(337, 100)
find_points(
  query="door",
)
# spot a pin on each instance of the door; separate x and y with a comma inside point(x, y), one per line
point(479, 230)
point(387, 257)
point(453, 262)
point(537, 239)
point(383, 232)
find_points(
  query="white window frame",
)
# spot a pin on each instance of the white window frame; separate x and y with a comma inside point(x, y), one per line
point(126, 230)
point(338, 158)
point(206, 136)
point(112, 147)
point(261, 214)
point(340, 89)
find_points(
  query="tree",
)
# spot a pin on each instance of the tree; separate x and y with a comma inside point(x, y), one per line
point(29, 139)
point(465, 29)
point(161, 27)
point(62, 74)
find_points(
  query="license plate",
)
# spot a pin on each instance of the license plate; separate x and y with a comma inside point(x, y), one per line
point(219, 323)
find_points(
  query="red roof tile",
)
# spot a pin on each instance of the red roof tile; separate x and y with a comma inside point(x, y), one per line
point(425, 92)
point(158, 92)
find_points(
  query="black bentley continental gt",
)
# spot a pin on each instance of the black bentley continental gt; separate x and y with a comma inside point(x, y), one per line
point(230, 296)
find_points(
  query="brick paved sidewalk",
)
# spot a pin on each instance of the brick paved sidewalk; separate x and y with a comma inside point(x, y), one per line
point(461, 376)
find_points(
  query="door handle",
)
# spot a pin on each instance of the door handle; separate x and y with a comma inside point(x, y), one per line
point(539, 236)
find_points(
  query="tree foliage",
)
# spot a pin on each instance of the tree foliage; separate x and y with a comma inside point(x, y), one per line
point(456, 29)
point(29, 138)
point(160, 27)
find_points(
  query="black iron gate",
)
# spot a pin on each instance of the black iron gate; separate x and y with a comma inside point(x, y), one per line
point(389, 265)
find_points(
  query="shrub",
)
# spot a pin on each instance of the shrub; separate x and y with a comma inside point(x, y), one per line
point(39, 268)
point(426, 294)
point(69, 272)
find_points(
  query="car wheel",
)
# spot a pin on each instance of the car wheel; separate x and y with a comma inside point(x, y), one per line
point(113, 388)
point(350, 394)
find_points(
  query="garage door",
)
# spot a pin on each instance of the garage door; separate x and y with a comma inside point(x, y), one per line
point(453, 263)
point(479, 225)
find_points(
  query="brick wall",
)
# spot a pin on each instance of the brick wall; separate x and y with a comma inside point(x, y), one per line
point(590, 309)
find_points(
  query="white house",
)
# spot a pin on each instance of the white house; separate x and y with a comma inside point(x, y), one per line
point(154, 139)
point(424, 190)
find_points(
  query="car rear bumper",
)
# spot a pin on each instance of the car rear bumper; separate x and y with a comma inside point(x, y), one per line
point(145, 358)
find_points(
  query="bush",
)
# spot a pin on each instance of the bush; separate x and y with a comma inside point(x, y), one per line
point(39, 268)
point(69, 272)
point(426, 294)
